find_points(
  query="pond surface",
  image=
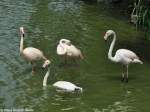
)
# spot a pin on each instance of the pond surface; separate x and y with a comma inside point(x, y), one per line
point(47, 21)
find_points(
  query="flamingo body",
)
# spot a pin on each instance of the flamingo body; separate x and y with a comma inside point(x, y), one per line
point(72, 51)
point(65, 48)
point(32, 54)
point(66, 86)
point(126, 57)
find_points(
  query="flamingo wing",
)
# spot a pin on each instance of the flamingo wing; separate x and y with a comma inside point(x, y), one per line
point(32, 54)
point(64, 85)
point(128, 54)
point(61, 50)
point(72, 51)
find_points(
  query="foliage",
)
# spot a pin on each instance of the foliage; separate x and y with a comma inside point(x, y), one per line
point(143, 13)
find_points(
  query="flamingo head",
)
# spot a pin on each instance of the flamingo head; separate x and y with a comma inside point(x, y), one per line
point(108, 34)
point(22, 31)
point(79, 89)
point(65, 41)
point(46, 64)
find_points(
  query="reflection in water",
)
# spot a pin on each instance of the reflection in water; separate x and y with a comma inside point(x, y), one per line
point(62, 6)
point(121, 106)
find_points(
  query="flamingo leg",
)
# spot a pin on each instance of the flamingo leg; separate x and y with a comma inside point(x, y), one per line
point(123, 74)
point(33, 67)
point(74, 60)
point(65, 59)
point(127, 74)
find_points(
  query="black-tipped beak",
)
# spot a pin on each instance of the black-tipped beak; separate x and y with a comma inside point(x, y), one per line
point(45, 68)
point(23, 34)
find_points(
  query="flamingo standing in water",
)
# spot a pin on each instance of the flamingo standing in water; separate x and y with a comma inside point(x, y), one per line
point(66, 48)
point(31, 54)
point(123, 56)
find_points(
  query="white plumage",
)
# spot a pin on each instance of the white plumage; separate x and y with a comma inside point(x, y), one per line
point(123, 56)
point(66, 86)
point(32, 54)
point(65, 48)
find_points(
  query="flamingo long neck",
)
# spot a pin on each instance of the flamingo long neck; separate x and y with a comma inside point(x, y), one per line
point(111, 49)
point(46, 77)
point(21, 44)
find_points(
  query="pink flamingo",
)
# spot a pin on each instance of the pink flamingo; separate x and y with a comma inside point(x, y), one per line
point(66, 48)
point(31, 54)
point(123, 56)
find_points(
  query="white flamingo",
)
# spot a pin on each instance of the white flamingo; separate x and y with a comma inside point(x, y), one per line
point(65, 48)
point(67, 86)
point(31, 54)
point(123, 56)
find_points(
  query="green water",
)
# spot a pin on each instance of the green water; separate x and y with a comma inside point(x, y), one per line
point(47, 21)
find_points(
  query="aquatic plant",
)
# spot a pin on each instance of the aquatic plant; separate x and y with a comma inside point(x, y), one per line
point(141, 15)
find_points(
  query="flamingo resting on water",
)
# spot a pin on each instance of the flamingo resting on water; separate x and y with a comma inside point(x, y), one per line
point(67, 49)
point(67, 86)
point(31, 54)
point(123, 56)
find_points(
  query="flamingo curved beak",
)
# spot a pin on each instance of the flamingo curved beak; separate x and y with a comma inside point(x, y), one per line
point(45, 68)
point(46, 64)
point(105, 38)
point(23, 34)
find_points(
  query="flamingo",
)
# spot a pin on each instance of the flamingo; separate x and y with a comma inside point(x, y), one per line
point(66, 48)
point(31, 54)
point(123, 56)
point(67, 86)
